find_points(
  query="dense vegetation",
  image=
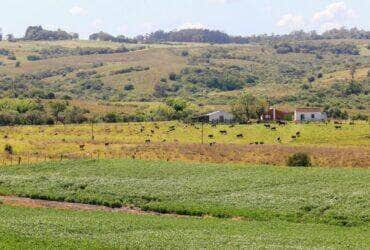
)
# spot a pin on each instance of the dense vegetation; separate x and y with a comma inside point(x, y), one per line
point(299, 69)
point(50, 228)
point(210, 36)
point(330, 196)
point(37, 33)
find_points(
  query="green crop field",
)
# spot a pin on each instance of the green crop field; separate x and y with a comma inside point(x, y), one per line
point(35, 228)
point(319, 195)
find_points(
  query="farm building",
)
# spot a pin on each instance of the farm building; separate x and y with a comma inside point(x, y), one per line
point(274, 114)
point(218, 116)
point(309, 114)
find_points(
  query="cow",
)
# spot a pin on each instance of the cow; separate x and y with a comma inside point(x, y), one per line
point(223, 132)
point(239, 136)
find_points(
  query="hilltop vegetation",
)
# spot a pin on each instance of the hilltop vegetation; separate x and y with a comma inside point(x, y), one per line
point(299, 69)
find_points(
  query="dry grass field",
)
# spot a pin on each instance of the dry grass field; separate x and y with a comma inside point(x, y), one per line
point(348, 146)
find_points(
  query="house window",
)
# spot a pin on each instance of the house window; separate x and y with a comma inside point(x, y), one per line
point(312, 116)
point(302, 117)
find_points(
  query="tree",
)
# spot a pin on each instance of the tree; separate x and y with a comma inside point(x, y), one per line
point(10, 38)
point(248, 107)
point(57, 108)
point(37, 33)
point(178, 104)
point(311, 79)
point(354, 88)
point(352, 72)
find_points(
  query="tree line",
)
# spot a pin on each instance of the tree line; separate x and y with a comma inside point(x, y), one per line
point(37, 33)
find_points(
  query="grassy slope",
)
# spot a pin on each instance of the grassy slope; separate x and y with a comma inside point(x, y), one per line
point(333, 196)
point(48, 228)
point(164, 59)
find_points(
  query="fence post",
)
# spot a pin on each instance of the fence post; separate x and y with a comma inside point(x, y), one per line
point(19, 160)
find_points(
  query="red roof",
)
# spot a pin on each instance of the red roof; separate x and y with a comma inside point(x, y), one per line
point(308, 110)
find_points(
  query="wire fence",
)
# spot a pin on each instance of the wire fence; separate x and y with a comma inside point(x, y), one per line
point(32, 158)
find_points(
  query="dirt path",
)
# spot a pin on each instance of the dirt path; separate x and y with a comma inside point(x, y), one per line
point(36, 203)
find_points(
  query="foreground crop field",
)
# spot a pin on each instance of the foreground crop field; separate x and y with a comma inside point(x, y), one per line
point(315, 195)
point(48, 228)
point(328, 146)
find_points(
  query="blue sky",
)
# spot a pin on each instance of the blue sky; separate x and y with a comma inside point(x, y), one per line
point(132, 17)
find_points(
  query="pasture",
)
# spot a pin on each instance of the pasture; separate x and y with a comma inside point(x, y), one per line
point(175, 141)
point(311, 195)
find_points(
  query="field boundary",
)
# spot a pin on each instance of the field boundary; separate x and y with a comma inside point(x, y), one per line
point(356, 157)
point(11, 200)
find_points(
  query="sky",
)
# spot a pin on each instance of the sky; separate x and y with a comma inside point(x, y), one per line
point(133, 17)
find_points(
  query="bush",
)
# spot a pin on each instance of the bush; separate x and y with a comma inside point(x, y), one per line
point(8, 149)
point(185, 53)
point(129, 87)
point(299, 160)
point(33, 58)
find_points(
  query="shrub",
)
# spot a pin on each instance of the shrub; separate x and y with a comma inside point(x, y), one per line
point(33, 58)
point(299, 160)
point(12, 57)
point(17, 64)
point(8, 149)
point(361, 117)
point(129, 87)
point(185, 53)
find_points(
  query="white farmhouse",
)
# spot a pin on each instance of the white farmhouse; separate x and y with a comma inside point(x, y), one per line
point(309, 114)
point(219, 116)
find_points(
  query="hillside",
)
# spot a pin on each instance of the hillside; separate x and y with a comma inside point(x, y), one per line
point(289, 74)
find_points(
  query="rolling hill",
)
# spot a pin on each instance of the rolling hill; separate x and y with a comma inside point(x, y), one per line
point(314, 73)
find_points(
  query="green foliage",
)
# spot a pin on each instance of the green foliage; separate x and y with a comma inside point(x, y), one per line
point(185, 53)
point(129, 87)
point(57, 108)
point(129, 70)
point(33, 58)
point(284, 194)
point(226, 79)
point(299, 160)
point(46, 228)
point(361, 117)
point(312, 48)
point(103, 36)
point(37, 33)
point(248, 107)
point(354, 88)
point(336, 113)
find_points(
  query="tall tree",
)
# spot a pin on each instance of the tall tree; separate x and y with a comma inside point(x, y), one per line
point(248, 107)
